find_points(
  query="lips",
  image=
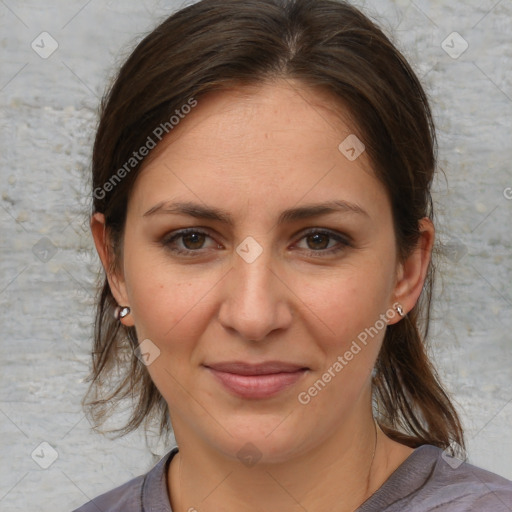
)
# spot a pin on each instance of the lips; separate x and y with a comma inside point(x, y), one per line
point(266, 368)
point(256, 381)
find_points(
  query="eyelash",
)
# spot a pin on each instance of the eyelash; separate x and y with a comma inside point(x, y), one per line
point(343, 241)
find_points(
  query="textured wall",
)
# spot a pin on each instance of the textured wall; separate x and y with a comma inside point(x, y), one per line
point(48, 103)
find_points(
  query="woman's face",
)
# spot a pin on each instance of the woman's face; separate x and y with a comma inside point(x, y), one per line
point(290, 257)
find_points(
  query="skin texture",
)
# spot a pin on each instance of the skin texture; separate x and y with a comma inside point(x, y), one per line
point(255, 152)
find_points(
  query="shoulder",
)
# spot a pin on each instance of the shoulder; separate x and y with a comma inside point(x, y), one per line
point(469, 487)
point(124, 498)
point(133, 495)
point(429, 480)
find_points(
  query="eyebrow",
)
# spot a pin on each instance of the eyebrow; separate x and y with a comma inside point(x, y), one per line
point(292, 214)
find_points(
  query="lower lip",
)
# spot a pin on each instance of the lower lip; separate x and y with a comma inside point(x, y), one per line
point(257, 386)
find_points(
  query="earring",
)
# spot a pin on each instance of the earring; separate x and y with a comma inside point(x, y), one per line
point(121, 312)
point(400, 310)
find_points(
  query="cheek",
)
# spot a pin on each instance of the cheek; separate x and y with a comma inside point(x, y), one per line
point(165, 308)
point(347, 301)
point(170, 310)
point(167, 303)
point(350, 307)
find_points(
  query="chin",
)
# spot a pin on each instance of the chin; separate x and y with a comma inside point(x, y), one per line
point(267, 442)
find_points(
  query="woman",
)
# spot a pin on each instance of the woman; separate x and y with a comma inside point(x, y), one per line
point(262, 209)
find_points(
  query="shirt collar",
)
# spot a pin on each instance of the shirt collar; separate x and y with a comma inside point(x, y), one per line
point(155, 494)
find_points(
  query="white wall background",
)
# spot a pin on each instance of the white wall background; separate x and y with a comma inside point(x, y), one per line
point(47, 261)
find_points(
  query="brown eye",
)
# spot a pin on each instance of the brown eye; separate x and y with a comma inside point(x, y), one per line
point(323, 243)
point(318, 241)
point(194, 240)
point(189, 242)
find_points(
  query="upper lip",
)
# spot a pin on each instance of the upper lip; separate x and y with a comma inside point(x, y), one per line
point(265, 368)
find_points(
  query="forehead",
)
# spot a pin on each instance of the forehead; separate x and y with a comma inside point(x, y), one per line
point(264, 144)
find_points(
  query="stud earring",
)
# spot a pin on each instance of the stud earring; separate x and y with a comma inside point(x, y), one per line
point(400, 310)
point(121, 312)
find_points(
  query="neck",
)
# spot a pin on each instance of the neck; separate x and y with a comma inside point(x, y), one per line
point(339, 474)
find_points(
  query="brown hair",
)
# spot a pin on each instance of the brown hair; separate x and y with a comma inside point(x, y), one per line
point(215, 44)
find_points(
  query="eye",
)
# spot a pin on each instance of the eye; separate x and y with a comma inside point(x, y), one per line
point(187, 241)
point(321, 242)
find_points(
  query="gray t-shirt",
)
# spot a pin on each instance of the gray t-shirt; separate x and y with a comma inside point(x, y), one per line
point(426, 481)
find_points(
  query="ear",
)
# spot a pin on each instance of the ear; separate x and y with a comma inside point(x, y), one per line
point(106, 254)
point(413, 271)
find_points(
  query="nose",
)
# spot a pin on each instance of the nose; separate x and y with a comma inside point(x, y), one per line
point(256, 300)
